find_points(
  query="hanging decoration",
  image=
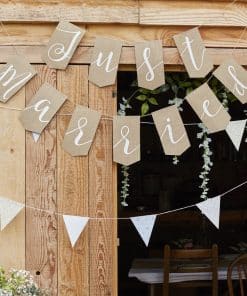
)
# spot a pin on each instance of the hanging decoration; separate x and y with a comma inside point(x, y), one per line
point(235, 131)
point(62, 45)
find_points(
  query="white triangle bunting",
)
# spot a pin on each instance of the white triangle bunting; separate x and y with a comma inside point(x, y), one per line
point(35, 136)
point(74, 226)
point(235, 131)
point(211, 209)
point(144, 226)
point(9, 209)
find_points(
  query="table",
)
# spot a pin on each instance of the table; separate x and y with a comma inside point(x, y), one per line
point(150, 271)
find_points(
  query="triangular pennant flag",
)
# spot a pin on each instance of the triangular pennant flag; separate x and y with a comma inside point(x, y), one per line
point(35, 136)
point(144, 225)
point(211, 209)
point(9, 209)
point(235, 131)
point(74, 226)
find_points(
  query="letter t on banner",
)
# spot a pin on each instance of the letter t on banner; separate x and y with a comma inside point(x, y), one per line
point(193, 53)
point(150, 64)
point(126, 139)
point(105, 60)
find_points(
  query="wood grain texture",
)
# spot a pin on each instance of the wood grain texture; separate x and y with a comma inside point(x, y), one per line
point(103, 198)
point(72, 189)
point(40, 33)
point(193, 13)
point(12, 181)
point(41, 227)
point(171, 56)
point(111, 11)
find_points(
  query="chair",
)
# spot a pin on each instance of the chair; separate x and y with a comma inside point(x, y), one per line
point(192, 256)
point(240, 264)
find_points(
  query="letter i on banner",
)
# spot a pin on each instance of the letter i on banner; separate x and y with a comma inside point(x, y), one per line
point(126, 139)
point(81, 130)
point(62, 45)
point(15, 74)
point(105, 60)
point(43, 106)
point(172, 133)
point(208, 108)
point(234, 77)
point(193, 53)
point(150, 64)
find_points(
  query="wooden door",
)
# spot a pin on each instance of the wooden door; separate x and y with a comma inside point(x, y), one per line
point(44, 176)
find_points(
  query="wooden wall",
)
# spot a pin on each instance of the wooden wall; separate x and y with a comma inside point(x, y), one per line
point(43, 175)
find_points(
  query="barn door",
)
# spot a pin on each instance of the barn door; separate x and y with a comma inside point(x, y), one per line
point(44, 176)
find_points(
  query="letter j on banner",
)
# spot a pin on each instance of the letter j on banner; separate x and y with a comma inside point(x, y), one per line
point(105, 60)
point(150, 64)
point(126, 139)
point(62, 45)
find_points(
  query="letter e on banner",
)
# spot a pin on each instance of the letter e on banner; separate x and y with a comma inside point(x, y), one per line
point(62, 45)
point(195, 56)
point(105, 60)
point(208, 108)
point(150, 64)
point(126, 139)
point(234, 77)
point(172, 133)
point(42, 107)
point(81, 130)
point(13, 75)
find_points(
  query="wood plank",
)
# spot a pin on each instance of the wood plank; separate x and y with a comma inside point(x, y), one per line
point(72, 189)
point(41, 227)
point(111, 11)
point(192, 13)
point(39, 34)
point(83, 55)
point(103, 198)
point(12, 181)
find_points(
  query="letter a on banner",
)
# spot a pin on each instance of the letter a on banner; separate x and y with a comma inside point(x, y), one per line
point(208, 108)
point(234, 77)
point(144, 226)
point(104, 65)
point(15, 74)
point(171, 130)
point(42, 108)
point(193, 53)
point(81, 130)
point(126, 139)
point(150, 64)
point(62, 45)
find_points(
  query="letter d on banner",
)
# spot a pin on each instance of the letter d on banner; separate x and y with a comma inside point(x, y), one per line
point(126, 139)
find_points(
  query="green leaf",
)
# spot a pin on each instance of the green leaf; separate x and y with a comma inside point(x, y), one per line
point(141, 98)
point(189, 90)
point(144, 91)
point(185, 84)
point(153, 101)
point(144, 108)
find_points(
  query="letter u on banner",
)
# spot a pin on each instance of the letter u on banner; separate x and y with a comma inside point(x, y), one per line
point(172, 133)
point(234, 77)
point(16, 73)
point(81, 130)
point(62, 45)
point(105, 60)
point(208, 108)
point(193, 53)
point(150, 64)
point(42, 108)
point(126, 139)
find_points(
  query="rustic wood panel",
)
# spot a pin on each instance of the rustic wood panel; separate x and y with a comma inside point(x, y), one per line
point(83, 55)
point(39, 34)
point(72, 189)
point(193, 13)
point(41, 227)
point(111, 11)
point(12, 181)
point(103, 198)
